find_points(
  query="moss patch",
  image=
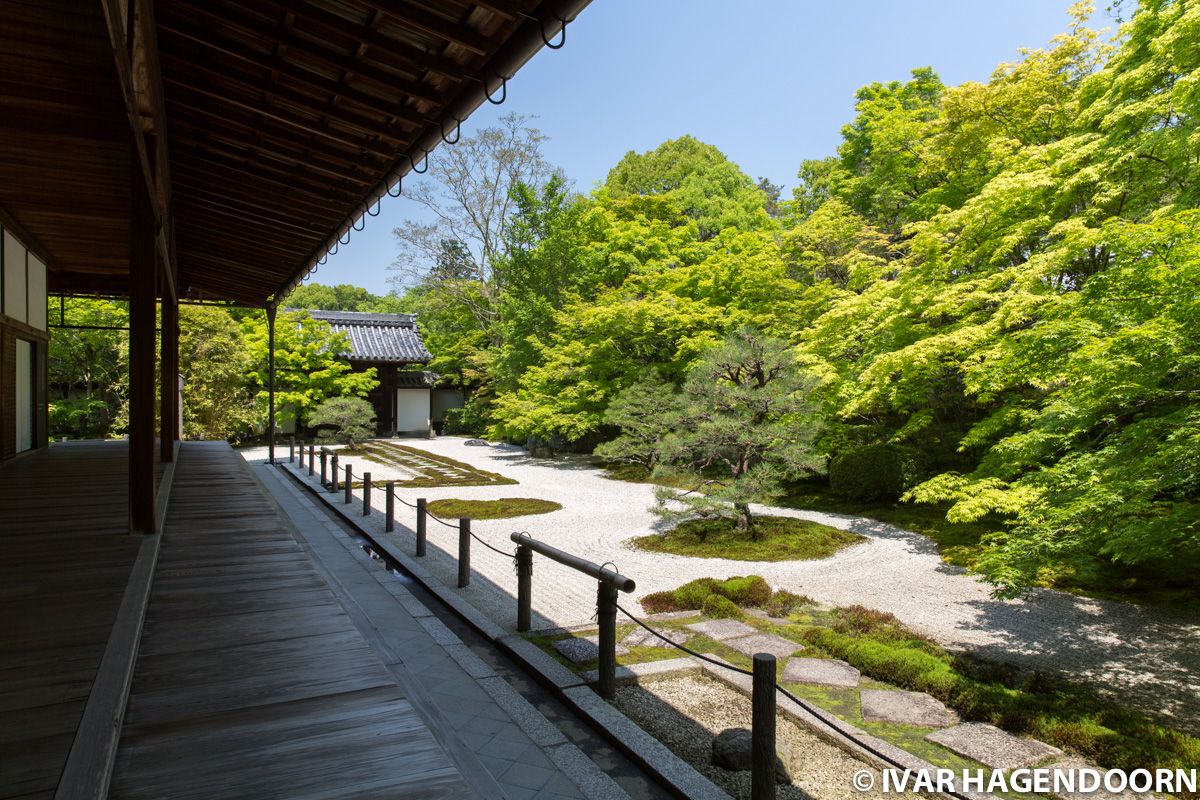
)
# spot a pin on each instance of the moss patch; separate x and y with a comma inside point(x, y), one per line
point(779, 539)
point(492, 509)
point(430, 469)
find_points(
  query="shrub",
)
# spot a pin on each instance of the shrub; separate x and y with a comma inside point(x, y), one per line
point(877, 472)
point(863, 621)
point(784, 602)
point(718, 607)
point(752, 591)
point(693, 593)
point(658, 602)
point(343, 419)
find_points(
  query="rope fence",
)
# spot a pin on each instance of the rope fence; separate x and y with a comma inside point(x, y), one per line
point(609, 582)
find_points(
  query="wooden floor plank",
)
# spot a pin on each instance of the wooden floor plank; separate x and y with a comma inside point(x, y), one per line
point(251, 679)
point(65, 559)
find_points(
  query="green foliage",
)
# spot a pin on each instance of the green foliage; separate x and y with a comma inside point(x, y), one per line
point(872, 473)
point(719, 607)
point(310, 364)
point(751, 591)
point(778, 539)
point(213, 361)
point(88, 367)
point(693, 593)
point(643, 413)
point(744, 412)
point(783, 603)
point(342, 297)
point(344, 419)
point(504, 508)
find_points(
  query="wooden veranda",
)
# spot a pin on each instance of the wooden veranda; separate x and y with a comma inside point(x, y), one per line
point(174, 151)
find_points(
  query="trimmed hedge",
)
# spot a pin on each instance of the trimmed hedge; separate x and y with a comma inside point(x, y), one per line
point(877, 472)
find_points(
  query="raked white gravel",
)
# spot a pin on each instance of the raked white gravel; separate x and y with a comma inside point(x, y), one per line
point(1147, 656)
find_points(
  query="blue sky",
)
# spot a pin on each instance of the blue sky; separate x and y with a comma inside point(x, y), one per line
point(768, 82)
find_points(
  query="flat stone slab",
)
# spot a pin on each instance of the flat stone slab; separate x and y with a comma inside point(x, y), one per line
point(721, 629)
point(821, 671)
point(906, 708)
point(764, 643)
point(586, 648)
point(641, 637)
point(992, 747)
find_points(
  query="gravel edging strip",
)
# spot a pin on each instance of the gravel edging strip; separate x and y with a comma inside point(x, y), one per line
point(675, 774)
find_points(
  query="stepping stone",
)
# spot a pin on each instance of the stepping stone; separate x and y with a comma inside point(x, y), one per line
point(764, 643)
point(906, 708)
point(1075, 765)
point(821, 671)
point(580, 649)
point(993, 747)
point(644, 638)
point(721, 629)
point(763, 615)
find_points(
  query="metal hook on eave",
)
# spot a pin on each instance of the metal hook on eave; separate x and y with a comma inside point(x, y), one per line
point(361, 218)
point(399, 187)
point(375, 213)
point(347, 238)
point(413, 164)
point(487, 93)
point(457, 134)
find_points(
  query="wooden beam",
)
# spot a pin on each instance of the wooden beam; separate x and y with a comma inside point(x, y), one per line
point(141, 357)
point(395, 87)
point(415, 18)
point(168, 382)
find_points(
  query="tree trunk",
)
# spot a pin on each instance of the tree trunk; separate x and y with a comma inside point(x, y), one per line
point(745, 522)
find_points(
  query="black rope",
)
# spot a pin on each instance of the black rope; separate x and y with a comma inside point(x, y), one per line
point(429, 513)
point(804, 704)
point(504, 553)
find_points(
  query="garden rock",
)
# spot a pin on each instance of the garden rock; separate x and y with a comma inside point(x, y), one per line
point(821, 671)
point(992, 747)
point(764, 643)
point(731, 751)
point(582, 649)
point(476, 443)
point(906, 708)
point(722, 629)
point(644, 638)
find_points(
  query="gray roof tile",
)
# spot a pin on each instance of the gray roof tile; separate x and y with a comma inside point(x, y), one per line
point(378, 337)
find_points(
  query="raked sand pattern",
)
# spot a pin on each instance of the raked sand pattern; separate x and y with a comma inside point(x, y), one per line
point(1150, 657)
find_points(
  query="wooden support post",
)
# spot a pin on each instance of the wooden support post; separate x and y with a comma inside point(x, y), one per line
point(366, 494)
point(349, 483)
point(333, 473)
point(141, 356)
point(421, 525)
point(168, 379)
point(524, 587)
point(389, 522)
point(292, 450)
point(312, 451)
point(271, 382)
point(464, 552)
point(762, 730)
point(606, 616)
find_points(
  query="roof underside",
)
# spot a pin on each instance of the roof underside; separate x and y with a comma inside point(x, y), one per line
point(285, 121)
point(379, 338)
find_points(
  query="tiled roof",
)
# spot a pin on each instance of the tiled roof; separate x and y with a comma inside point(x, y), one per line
point(379, 337)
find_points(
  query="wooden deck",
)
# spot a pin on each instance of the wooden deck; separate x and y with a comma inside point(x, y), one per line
point(65, 559)
point(251, 680)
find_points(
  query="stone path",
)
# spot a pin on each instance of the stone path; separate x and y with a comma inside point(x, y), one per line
point(821, 671)
point(1146, 657)
point(906, 708)
point(993, 747)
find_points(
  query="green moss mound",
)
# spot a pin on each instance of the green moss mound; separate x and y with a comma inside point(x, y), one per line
point(492, 509)
point(750, 591)
point(718, 607)
point(779, 539)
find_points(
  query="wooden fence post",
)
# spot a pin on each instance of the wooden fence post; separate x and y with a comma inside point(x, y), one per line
point(421, 525)
point(524, 587)
point(291, 449)
point(389, 522)
point(349, 482)
point(464, 552)
point(366, 494)
point(606, 615)
point(312, 451)
point(762, 730)
point(333, 473)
